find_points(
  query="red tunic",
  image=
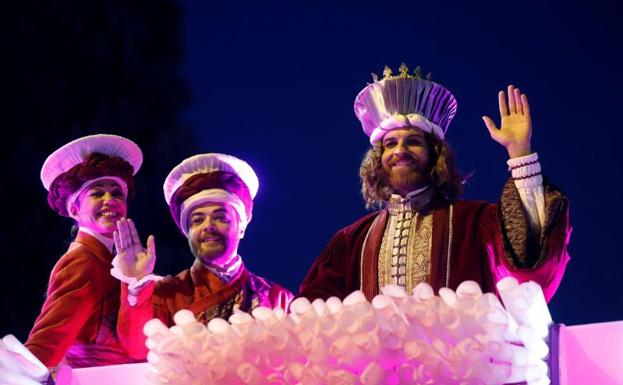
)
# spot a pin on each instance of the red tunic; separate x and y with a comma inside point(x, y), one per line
point(196, 289)
point(78, 318)
point(488, 242)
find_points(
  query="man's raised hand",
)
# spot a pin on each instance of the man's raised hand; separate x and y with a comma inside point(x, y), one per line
point(515, 131)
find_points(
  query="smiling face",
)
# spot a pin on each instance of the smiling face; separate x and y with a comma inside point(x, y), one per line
point(100, 206)
point(405, 160)
point(213, 233)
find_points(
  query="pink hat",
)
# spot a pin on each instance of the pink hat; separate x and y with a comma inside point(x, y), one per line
point(77, 165)
point(404, 101)
point(208, 178)
point(75, 152)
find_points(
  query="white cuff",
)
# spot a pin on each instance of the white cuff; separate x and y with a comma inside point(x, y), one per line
point(526, 171)
point(134, 285)
point(530, 182)
point(522, 160)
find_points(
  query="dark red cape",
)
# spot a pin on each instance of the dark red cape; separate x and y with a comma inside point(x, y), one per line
point(489, 242)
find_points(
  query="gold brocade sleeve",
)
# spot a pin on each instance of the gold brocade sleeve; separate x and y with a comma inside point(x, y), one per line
point(522, 248)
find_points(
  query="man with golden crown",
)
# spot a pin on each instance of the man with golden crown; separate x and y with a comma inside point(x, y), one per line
point(423, 232)
point(210, 197)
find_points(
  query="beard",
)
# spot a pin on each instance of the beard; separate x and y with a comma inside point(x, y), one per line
point(207, 252)
point(404, 181)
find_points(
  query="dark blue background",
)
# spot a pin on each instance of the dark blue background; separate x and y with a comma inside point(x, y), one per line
point(273, 82)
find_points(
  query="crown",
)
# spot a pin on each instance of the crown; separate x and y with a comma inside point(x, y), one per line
point(404, 100)
point(403, 71)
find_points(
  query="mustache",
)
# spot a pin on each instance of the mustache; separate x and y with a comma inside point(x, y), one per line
point(408, 157)
point(211, 234)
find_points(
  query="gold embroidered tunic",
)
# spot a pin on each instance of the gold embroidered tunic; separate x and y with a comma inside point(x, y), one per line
point(404, 256)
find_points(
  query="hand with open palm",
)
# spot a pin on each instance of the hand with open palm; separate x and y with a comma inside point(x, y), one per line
point(515, 130)
point(133, 259)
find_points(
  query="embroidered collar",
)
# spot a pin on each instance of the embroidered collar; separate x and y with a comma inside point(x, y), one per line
point(416, 200)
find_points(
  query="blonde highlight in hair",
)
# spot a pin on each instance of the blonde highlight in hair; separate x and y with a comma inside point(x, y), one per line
point(444, 176)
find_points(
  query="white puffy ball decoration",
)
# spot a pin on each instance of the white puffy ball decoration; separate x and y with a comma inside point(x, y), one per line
point(463, 337)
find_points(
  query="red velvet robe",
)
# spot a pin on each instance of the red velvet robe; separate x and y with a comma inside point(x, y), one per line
point(488, 242)
point(78, 318)
point(200, 291)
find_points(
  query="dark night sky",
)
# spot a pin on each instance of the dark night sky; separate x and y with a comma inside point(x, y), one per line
point(274, 83)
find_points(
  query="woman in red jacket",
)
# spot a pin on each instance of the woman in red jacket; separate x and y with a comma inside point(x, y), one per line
point(88, 180)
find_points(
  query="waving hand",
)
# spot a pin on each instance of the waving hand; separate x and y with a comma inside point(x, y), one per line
point(515, 130)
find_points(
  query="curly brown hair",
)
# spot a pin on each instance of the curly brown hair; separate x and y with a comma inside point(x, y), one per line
point(444, 175)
